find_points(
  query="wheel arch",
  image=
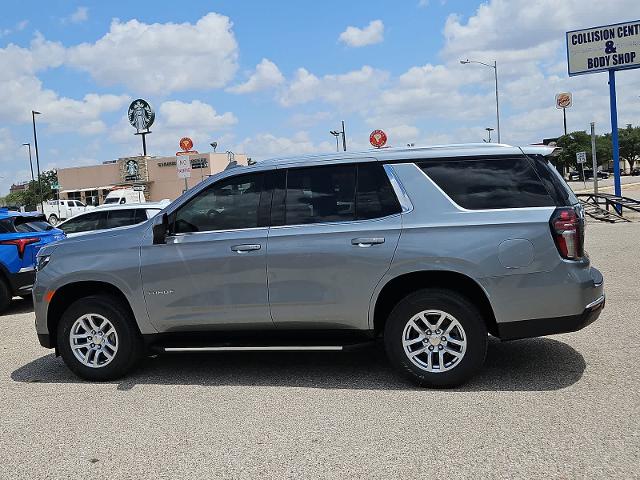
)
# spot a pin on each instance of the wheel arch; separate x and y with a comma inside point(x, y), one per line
point(70, 292)
point(402, 285)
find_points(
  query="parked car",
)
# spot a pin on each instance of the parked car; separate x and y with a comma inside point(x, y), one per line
point(120, 196)
point(428, 249)
point(21, 236)
point(110, 216)
point(588, 173)
point(635, 171)
point(56, 211)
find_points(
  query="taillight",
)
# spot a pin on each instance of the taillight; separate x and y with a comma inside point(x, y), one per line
point(568, 233)
point(20, 243)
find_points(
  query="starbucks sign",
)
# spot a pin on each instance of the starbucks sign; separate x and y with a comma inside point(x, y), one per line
point(141, 115)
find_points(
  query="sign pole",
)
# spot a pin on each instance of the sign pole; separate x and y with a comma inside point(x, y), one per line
point(564, 117)
point(614, 132)
point(593, 158)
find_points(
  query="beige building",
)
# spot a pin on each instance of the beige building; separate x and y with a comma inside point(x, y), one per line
point(158, 175)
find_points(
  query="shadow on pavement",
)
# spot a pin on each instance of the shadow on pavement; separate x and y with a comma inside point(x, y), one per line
point(524, 365)
point(19, 305)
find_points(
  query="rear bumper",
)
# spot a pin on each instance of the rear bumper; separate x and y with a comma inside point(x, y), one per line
point(550, 326)
point(22, 281)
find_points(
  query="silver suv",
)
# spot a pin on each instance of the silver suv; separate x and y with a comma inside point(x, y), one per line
point(428, 249)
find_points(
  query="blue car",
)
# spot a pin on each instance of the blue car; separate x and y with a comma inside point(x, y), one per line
point(21, 236)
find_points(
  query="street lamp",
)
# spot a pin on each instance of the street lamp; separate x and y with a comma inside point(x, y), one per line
point(30, 162)
point(335, 133)
point(35, 141)
point(489, 130)
point(495, 71)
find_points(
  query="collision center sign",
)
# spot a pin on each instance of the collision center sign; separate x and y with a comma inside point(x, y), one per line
point(610, 47)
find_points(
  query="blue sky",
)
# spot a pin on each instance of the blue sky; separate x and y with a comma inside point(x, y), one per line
point(270, 78)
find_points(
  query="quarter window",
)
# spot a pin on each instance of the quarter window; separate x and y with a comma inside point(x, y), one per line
point(478, 184)
point(229, 204)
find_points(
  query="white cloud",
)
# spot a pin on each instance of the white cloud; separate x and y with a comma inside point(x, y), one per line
point(350, 91)
point(161, 57)
point(21, 91)
point(360, 37)
point(266, 145)
point(305, 120)
point(80, 15)
point(177, 114)
point(266, 75)
point(423, 3)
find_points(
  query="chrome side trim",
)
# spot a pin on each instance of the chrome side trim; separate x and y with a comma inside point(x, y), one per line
point(595, 303)
point(398, 188)
point(26, 269)
point(242, 349)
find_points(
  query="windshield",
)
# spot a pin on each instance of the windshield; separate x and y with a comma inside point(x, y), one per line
point(111, 200)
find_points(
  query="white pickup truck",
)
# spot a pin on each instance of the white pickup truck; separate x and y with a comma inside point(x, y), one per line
point(58, 210)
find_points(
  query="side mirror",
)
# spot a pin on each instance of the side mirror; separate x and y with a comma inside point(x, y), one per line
point(160, 229)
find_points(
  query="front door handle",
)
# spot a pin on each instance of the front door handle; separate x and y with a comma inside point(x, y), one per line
point(246, 248)
point(367, 241)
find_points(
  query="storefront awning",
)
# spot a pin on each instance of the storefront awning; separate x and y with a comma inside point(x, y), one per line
point(105, 187)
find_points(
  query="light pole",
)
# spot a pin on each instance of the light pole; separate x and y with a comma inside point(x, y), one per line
point(35, 141)
point(337, 135)
point(30, 162)
point(489, 130)
point(495, 71)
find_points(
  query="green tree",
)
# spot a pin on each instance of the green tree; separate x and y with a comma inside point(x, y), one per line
point(571, 144)
point(30, 197)
point(629, 139)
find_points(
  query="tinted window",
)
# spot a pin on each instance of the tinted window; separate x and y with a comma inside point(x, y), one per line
point(320, 194)
point(111, 200)
point(227, 205)
point(85, 223)
point(120, 218)
point(375, 197)
point(489, 183)
point(553, 181)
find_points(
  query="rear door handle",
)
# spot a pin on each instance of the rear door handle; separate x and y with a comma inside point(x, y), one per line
point(246, 248)
point(367, 241)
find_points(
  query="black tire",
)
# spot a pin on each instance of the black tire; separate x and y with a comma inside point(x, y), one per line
point(130, 345)
point(54, 220)
point(5, 295)
point(467, 315)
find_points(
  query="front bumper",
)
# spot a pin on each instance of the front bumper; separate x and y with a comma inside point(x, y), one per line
point(550, 326)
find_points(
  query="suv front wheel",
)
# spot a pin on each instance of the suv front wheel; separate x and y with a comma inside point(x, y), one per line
point(97, 338)
point(436, 337)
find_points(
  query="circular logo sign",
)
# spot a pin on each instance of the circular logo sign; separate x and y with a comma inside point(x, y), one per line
point(132, 167)
point(378, 138)
point(186, 144)
point(141, 115)
point(563, 100)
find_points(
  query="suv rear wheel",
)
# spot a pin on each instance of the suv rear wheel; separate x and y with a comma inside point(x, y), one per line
point(97, 338)
point(436, 337)
point(53, 220)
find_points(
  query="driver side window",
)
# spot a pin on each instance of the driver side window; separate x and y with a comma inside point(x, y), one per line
point(229, 204)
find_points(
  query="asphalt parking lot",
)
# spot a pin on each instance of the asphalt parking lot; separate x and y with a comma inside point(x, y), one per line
point(566, 406)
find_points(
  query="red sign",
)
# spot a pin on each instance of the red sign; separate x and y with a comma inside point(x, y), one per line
point(378, 138)
point(186, 144)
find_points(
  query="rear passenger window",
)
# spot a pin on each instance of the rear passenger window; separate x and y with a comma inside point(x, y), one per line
point(320, 194)
point(375, 197)
point(478, 184)
point(121, 218)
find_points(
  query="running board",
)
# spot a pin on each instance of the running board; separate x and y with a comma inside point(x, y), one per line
point(283, 348)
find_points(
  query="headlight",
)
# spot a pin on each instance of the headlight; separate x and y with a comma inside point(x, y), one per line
point(42, 262)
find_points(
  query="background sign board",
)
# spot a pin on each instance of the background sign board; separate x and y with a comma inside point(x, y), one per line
point(610, 47)
point(564, 100)
point(138, 188)
point(184, 166)
point(582, 157)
